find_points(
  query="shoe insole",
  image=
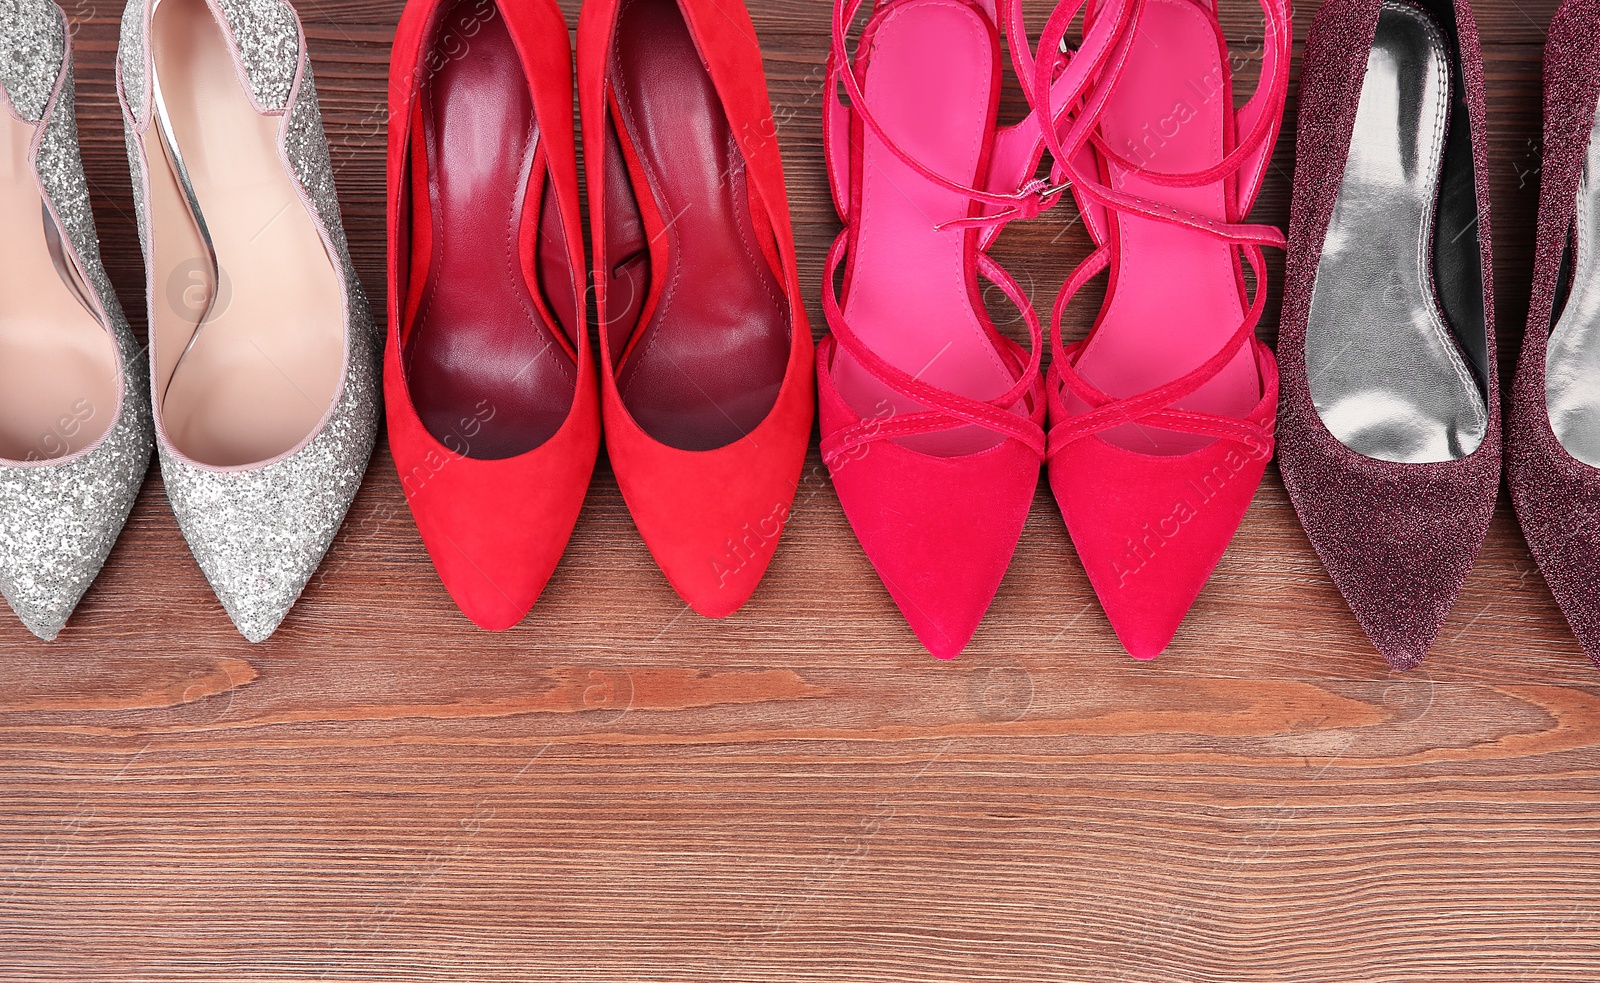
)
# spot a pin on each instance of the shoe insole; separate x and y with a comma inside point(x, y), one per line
point(705, 367)
point(489, 375)
point(254, 379)
point(59, 373)
point(909, 293)
point(1174, 300)
point(1572, 360)
point(1385, 372)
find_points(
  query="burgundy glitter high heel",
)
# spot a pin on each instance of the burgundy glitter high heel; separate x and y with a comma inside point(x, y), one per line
point(1553, 430)
point(1389, 432)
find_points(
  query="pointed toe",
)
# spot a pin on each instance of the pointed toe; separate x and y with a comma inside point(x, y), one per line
point(1556, 491)
point(1389, 434)
point(259, 533)
point(493, 581)
point(77, 453)
point(259, 617)
point(45, 631)
point(713, 519)
point(1398, 540)
point(1557, 501)
point(941, 556)
point(496, 530)
point(59, 522)
point(1401, 594)
point(44, 610)
point(713, 551)
point(265, 440)
point(1150, 529)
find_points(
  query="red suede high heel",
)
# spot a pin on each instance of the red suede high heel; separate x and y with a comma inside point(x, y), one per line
point(489, 382)
point(1162, 419)
point(705, 351)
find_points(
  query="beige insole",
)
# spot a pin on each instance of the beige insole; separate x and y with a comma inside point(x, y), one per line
point(248, 377)
point(59, 378)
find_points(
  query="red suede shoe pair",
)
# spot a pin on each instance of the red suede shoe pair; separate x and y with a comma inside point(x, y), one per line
point(704, 385)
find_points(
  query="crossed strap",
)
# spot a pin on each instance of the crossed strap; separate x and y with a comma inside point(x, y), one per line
point(1077, 149)
point(1011, 193)
point(946, 410)
point(1070, 90)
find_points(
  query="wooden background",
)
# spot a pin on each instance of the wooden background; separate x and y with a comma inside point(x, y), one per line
point(622, 790)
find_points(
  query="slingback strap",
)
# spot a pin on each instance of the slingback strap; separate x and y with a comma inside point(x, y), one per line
point(1078, 149)
point(1263, 113)
point(1011, 192)
point(1261, 125)
point(1019, 148)
point(946, 410)
point(844, 13)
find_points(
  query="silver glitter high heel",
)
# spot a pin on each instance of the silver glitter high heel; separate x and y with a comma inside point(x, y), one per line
point(263, 355)
point(74, 417)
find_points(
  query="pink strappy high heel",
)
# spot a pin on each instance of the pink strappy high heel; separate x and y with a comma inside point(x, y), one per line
point(932, 421)
point(1161, 420)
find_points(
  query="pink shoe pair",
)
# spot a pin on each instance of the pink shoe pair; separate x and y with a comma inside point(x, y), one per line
point(1157, 427)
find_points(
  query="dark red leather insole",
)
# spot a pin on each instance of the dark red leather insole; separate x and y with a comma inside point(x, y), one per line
point(706, 368)
point(488, 374)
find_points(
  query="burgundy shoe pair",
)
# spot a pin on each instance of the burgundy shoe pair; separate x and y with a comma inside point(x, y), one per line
point(1390, 427)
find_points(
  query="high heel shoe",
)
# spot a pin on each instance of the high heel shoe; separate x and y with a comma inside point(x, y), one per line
point(1390, 438)
point(493, 409)
point(932, 421)
point(705, 354)
point(1553, 431)
point(74, 422)
point(1161, 420)
point(264, 363)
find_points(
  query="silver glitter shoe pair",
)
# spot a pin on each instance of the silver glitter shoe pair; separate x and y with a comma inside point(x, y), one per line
point(261, 393)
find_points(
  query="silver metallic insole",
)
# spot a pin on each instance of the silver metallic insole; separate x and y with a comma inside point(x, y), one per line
point(1572, 363)
point(1385, 373)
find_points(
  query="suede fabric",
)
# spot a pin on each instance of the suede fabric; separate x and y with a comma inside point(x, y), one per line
point(1557, 497)
point(1149, 529)
point(1397, 539)
point(711, 519)
point(940, 531)
point(494, 529)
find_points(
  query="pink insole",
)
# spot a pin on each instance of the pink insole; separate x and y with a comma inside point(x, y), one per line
point(931, 82)
point(1174, 300)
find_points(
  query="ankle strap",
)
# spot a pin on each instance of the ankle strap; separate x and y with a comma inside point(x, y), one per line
point(1263, 115)
point(1011, 191)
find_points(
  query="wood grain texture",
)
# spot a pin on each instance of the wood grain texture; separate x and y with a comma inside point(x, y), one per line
point(621, 790)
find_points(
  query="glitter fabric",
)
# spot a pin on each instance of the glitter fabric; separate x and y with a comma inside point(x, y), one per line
point(133, 82)
point(32, 48)
point(60, 519)
point(1398, 539)
point(259, 532)
point(1557, 497)
point(267, 36)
